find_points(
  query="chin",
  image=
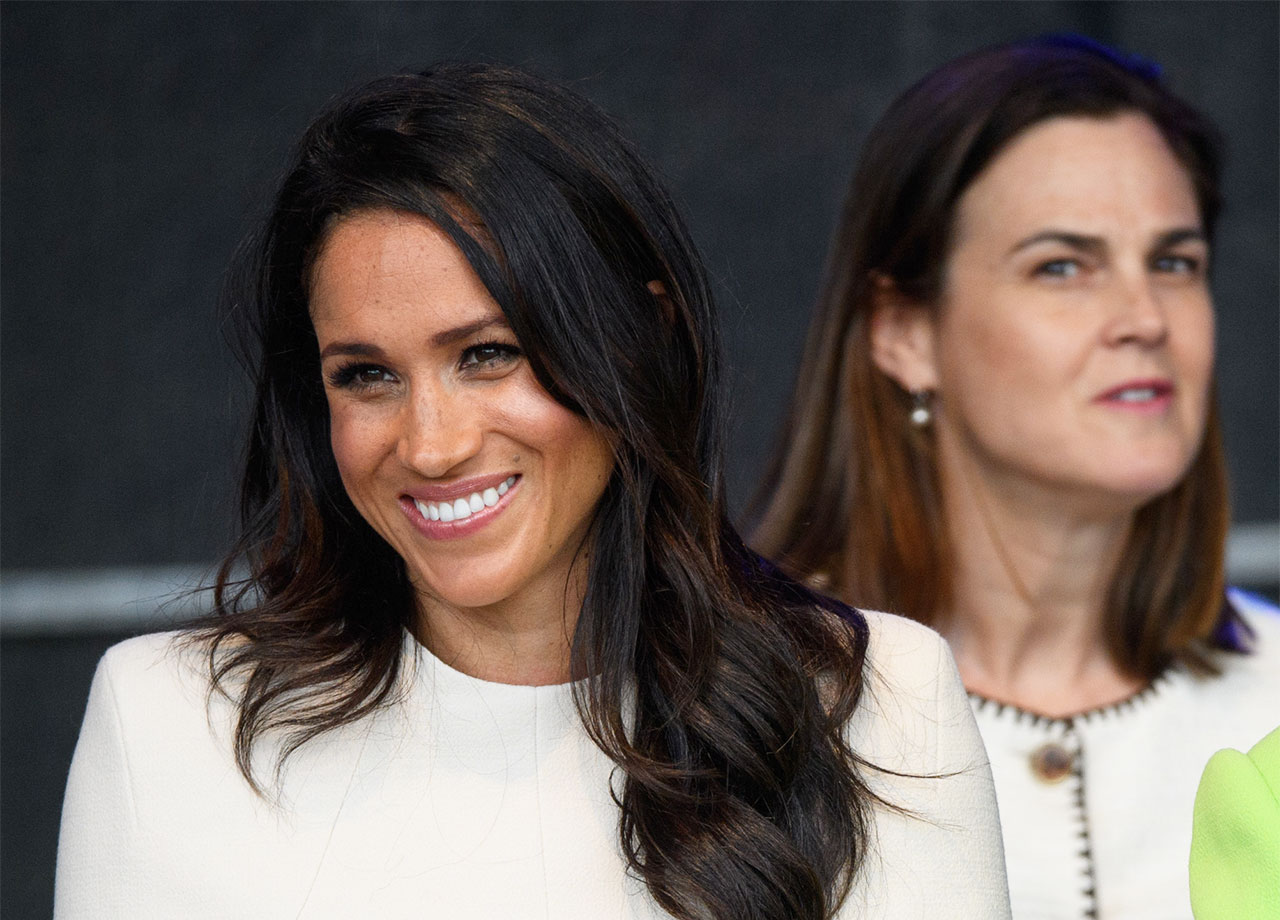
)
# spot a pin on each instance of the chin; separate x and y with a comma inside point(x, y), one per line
point(1144, 485)
point(1145, 470)
point(462, 594)
point(1108, 485)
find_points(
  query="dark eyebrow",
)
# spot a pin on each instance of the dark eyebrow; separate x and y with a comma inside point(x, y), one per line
point(447, 337)
point(1180, 235)
point(1092, 244)
point(356, 349)
point(458, 333)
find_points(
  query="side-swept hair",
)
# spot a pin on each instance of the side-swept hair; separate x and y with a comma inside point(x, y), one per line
point(852, 496)
point(741, 797)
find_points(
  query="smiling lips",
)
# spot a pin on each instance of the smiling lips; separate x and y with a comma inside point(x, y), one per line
point(1139, 395)
point(462, 513)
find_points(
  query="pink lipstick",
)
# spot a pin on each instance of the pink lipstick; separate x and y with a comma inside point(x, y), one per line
point(457, 509)
point(1149, 396)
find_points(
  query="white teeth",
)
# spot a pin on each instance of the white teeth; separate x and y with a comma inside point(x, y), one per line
point(1137, 394)
point(461, 508)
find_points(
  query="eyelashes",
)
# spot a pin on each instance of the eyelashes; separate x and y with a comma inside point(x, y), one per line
point(489, 355)
point(358, 375)
point(483, 360)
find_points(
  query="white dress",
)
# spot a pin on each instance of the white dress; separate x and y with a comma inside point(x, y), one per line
point(467, 799)
point(1097, 807)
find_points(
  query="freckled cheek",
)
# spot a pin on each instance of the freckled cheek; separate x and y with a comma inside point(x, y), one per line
point(577, 456)
point(528, 415)
point(357, 448)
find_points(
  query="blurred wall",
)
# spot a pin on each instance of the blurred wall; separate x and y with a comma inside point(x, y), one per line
point(138, 142)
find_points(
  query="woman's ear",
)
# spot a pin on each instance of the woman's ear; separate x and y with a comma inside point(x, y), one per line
point(903, 336)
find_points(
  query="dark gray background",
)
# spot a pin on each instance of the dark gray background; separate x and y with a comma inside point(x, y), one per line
point(139, 141)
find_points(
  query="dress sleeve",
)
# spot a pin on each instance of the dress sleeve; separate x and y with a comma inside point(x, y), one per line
point(936, 850)
point(96, 869)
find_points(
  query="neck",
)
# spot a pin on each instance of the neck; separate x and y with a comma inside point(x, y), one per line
point(1030, 585)
point(523, 642)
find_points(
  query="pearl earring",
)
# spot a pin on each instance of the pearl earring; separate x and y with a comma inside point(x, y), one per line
point(921, 413)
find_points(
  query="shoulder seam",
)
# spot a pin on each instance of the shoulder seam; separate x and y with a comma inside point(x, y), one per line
point(113, 699)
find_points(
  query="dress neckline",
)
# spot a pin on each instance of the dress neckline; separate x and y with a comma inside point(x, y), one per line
point(1125, 706)
point(426, 661)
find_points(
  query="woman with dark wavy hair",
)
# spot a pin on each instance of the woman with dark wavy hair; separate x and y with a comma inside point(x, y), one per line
point(498, 651)
point(1004, 427)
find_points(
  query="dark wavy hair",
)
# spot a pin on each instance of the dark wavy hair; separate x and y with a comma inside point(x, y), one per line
point(852, 498)
point(741, 797)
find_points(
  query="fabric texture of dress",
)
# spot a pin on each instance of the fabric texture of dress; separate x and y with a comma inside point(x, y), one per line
point(1096, 808)
point(1235, 837)
point(469, 799)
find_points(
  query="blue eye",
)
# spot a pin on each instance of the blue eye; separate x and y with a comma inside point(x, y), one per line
point(1178, 265)
point(358, 376)
point(488, 355)
point(1059, 268)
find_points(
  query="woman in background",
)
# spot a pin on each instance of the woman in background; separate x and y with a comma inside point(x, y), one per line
point(1004, 427)
point(499, 652)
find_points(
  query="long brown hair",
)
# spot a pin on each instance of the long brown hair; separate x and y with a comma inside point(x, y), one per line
point(852, 497)
point(740, 796)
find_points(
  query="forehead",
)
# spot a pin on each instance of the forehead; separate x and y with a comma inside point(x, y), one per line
point(388, 263)
point(1093, 175)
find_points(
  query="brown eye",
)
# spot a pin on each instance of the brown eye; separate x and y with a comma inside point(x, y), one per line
point(489, 355)
point(359, 376)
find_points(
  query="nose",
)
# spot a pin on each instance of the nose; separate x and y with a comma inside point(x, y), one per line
point(1140, 316)
point(438, 432)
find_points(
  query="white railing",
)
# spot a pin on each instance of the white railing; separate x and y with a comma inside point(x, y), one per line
point(37, 602)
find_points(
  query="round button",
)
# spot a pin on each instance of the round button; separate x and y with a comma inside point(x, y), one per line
point(1051, 763)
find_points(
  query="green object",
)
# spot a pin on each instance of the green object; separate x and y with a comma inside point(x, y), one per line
point(1235, 837)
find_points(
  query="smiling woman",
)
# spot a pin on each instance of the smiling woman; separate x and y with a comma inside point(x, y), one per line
point(450, 448)
point(498, 639)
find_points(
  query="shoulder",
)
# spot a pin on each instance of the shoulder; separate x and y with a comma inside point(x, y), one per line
point(152, 693)
point(938, 848)
point(1236, 706)
point(143, 654)
point(914, 713)
point(152, 669)
point(899, 635)
point(904, 654)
